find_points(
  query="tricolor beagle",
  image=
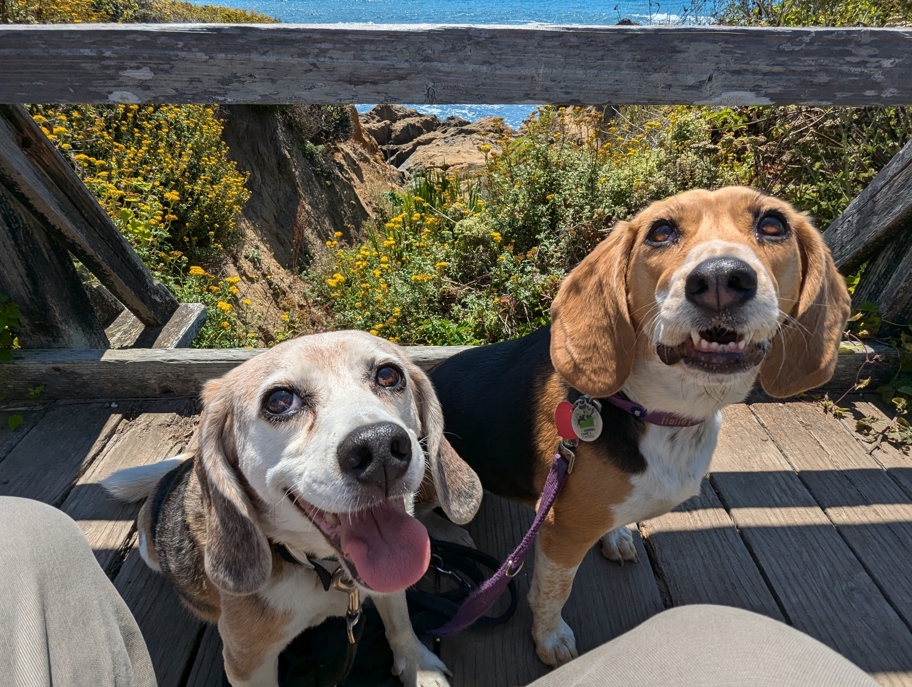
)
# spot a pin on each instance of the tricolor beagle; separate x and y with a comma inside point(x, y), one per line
point(311, 450)
point(680, 310)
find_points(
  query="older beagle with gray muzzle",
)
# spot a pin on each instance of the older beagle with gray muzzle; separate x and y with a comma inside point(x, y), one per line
point(311, 451)
point(669, 320)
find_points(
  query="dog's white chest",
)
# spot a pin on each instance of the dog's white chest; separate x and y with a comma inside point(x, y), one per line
point(676, 460)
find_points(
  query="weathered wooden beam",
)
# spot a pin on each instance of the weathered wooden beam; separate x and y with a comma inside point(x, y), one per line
point(454, 64)
point(42, 180)
point(128, 332)
point(141, 373)
point(874, 216)
point(38, 275)
point(887, 281)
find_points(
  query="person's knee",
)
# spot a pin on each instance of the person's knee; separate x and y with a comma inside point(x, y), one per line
point(36, 530)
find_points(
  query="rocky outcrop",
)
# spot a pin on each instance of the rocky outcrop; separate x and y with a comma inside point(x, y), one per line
point(413, 142)
point(301, 194)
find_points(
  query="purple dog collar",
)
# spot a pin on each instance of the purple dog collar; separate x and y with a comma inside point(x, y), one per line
point(661, 419)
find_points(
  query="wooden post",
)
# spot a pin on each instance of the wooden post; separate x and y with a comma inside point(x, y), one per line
point(38, 275)
point(42, 180)
point(887, 281)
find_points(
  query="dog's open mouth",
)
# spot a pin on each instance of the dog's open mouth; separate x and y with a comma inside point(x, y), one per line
point(717, 350)
point(383, 547)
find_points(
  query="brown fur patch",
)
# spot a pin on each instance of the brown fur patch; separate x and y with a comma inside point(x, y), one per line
point(583, 511)
point(252, 633)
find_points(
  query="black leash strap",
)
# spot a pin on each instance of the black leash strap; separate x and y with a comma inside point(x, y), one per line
point(322, 656)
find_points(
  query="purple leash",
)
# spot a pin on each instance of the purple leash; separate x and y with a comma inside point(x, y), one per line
point(484, 597)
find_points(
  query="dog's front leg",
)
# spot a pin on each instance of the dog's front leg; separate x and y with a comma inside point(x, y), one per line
point(563, 542)
point(253, 635)
point(413, 662)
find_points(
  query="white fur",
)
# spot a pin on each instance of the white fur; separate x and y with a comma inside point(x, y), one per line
point(135, 484)
point(555, 643)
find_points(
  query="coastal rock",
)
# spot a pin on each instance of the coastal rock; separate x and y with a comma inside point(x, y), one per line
point(414, 142)
point(300, 197)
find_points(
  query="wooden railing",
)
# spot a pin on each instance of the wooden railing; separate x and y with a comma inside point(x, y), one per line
point(198, 63)
point(401, 64)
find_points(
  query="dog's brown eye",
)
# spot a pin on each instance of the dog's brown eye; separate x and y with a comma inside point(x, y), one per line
point(771, 227)
point(662, 232)
point(282, 402)
point(389, 377)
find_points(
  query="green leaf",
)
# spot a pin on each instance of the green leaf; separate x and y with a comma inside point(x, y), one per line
point(14, 421)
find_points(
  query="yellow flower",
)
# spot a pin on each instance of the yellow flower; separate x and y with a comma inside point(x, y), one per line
point(225, 325)
point(337, 234)
point(246, 301)
point(232, 280)
point(234, 290)
point(416, 217)
point(197, 271)
point(224, 307)
point(440, 265)
point(374, 332)
point(496, 237)
point(285, 317)
point(334, 294)
point(214, 289)
point(173, 196)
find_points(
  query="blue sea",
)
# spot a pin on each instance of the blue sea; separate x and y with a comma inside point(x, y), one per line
point(590, 12)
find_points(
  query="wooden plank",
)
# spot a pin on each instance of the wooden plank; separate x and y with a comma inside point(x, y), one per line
point(607, 600)
point(45, 464)
point(161, 431)
point(35, 171)
point(139, 373)
point(874, 216)
point(871, 512)
point(887, 281)
point(365, 63)
point(207, 666)
point(701, 558)
point(822, 588)
point(38, 275)
point(127, 331)
point(171, 632)
point(10, 438)
point(896, 462)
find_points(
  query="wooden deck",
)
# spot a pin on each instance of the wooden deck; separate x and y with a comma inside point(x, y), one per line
point(797, 521)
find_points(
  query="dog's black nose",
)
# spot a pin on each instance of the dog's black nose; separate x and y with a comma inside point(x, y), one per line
point(376, 455)
point(721, 283)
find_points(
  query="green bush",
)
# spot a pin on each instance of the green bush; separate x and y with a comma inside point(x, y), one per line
point(468, 261)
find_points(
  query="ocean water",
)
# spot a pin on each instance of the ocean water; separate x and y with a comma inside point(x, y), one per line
point(590, 12)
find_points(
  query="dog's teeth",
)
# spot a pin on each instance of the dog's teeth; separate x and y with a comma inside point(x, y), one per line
point(742, 344)
point(704, 344)
point(714, 345)
point(331, 519)
point(696, 338)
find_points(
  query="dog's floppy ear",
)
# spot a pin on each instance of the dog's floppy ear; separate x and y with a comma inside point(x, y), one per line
point(592, 334)
point(238, 558)
point(804, 352)
point(458, 487)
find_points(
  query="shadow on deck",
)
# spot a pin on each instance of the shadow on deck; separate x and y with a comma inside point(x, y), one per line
point(798, 520)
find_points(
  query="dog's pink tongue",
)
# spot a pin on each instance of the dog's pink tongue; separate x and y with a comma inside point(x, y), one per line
point(389, 548)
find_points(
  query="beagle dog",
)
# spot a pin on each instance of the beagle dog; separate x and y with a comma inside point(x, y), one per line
point(310, 452)
point(679, 311)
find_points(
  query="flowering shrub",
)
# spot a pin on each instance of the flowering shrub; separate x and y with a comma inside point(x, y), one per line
point(79, 11)
point(161, 172)
point(472, 261)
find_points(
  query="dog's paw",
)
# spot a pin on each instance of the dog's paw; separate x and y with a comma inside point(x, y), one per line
point(441, 529)
point(420, 667)
point(557, 647)
point(618, 546)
